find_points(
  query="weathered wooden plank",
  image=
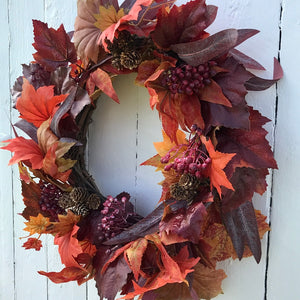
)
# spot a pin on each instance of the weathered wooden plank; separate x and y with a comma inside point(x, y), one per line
point(6, 199)
point(28, 283)
point(284, 264)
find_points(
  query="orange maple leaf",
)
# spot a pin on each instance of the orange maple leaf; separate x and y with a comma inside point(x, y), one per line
point(37, 224)
point(68, 247)
point(65, 225)
point(214, 170)
point(37, 106)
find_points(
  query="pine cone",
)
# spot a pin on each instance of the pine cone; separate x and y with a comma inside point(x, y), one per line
point(79, 194)
point(65, 201)
point(189, 181)
point(130, 60)
point(93, 201)
point(80, 209)
point(180, 193)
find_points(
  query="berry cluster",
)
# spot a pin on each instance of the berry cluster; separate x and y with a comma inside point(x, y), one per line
point(115, 214)
point(187, 79)
point(192, 161)
point(50, 195)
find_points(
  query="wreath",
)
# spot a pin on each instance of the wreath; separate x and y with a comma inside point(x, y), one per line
point(212, 166)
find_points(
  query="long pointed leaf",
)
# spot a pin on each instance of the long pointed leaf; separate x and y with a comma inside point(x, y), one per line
point(201, 51)
point(242, 227)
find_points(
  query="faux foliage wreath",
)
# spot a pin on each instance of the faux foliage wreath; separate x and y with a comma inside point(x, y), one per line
point(196, 81)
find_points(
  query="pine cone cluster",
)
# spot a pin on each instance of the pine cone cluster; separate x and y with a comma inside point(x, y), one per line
point(80, 201)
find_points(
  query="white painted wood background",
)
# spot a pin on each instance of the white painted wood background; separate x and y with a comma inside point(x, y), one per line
point(121, 138)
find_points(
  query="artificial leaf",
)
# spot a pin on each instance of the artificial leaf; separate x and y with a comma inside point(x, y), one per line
point(182, 24)
point(206, 285)
point(251, 146)
point(37, 224)
point(245, 182)
point(111, 282)
point(28, 128)
point(31, 193)
point(33, 243)
point(65, 224)
point(164, 147)
point(107, 16)
point(86, 33)
point(54, 47)
point(259, 84)
point(186, 223)
point(67, 274)
point(25, 150)
point(214, 46)
point(103, 81)
point(215, 169)
point(245, 60)
point(242, 227)
point(24, 173)
point(37, 106)
point(135, 254)
point(68, 247)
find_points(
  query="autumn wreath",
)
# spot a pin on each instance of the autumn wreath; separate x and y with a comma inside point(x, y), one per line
point(212, 168)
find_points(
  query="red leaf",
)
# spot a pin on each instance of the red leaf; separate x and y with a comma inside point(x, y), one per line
point(68, 247)
point(25, 150)
point(66, 275)
point(54, 47)
point(37, 106)
point(182, 24)
point(102, 80)
point(33, 243)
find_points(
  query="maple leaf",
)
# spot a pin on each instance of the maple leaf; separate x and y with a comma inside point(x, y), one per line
point(109, 32)
point(182, 24)
point(215, 171)
point(37, 224)
point(31, 193)
point(206, 285)
point(68, 247)
point(251, 146)
point(37, 106)
point(65, 224)
point(67, 274)
point(54, 47)
point(33, 243)
point(108, 16)
point(103, 81)
point(25, 150)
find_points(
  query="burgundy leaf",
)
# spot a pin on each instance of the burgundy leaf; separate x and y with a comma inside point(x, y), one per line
point(245, 182)
point(16, 91)
point(54, 47)
point(112, 281)
point(242, 227)
point(201, 51)
point(251, 146)
point(260, 84)
point(182, 24)
point(186, 223)
point(245, 60)
point(62, 81)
